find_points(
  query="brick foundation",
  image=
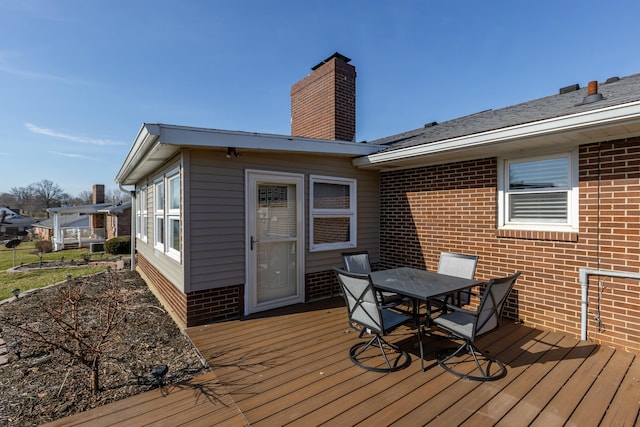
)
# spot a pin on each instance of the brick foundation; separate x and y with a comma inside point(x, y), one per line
point(194, 308)
point(322, 284)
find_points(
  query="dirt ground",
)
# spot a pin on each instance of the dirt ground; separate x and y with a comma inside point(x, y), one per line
point(45, 383)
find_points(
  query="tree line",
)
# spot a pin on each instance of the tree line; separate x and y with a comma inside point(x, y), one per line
point(34, 199)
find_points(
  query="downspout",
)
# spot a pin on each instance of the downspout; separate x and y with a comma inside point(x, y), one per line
point(132, 193)
point(584, 284)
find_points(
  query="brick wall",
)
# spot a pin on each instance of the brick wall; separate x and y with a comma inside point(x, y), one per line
point(323, 104)
point(214, 305)
point(453, 207)
point(119, 224)
point(195, 308)
point(322, 284)
point(124, 223)
point(98, 221)
point(171, 296)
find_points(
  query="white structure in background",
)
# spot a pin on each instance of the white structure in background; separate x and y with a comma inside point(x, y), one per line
point(82, 236)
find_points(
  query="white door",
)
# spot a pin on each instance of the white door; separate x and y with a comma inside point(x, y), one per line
point(275, 240)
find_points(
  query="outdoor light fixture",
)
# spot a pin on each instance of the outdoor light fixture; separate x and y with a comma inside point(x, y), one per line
point(231, 151)
point(159, 372)
point(16, 292)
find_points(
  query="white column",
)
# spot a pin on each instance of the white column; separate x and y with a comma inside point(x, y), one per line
point(58, 238)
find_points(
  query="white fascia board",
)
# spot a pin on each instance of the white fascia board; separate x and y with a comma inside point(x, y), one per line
point(154, 143)
point(85, 209)
point(147, 136)
point(213, 138)
point(589, 120)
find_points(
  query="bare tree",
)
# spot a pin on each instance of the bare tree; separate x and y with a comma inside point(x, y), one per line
point(71, 332)
point(85, 197)
point(8, 200)
point(26, 200)
point(115, 195)
point(49, 194)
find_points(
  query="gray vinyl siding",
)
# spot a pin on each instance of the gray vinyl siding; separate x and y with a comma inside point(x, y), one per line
point(216, 236)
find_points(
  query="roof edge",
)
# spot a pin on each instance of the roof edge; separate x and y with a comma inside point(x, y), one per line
point(583, 121)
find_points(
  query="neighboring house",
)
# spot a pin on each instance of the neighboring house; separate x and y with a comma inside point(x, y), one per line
point(43, 230)
point(117, 220)
point(546, 187)
point(86, 225)
point(12, 224)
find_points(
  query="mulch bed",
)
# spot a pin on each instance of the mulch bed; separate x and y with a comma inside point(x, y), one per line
point(41, 383)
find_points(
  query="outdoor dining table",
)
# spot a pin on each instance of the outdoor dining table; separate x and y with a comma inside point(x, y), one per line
point(419, 285)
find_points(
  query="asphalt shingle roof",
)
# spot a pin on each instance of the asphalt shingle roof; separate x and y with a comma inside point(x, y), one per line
point(614, 92)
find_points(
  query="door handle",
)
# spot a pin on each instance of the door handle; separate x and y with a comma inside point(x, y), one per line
point(252, 242)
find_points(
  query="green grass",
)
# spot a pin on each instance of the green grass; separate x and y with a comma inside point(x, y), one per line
point(26, 253)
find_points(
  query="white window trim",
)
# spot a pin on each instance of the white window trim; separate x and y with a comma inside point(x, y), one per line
point(351, 213)
point(572, 224)
point(172, 215)
point(158, 213)
point(142, 231)
point(168, 215)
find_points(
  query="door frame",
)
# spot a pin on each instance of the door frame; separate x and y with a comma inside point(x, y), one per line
point(252, 176)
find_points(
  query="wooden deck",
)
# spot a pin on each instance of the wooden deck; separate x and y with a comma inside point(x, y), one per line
point(292, 367)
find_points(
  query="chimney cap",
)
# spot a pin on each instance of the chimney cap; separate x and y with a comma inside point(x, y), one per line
point(336, 55)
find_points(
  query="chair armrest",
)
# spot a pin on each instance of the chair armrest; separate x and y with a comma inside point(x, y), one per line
point(451, 307)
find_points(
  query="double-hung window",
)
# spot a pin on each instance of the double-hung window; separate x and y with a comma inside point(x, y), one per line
point(141, 214)
point(166, 214)
point(332, 222)
point(539, 193)
point(158, 214)
point(174, 234)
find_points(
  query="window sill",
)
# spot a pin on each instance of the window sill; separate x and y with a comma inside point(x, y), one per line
point(557, 236)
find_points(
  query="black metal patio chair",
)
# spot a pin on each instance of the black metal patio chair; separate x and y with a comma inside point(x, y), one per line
point(468, 325)
point(459, 265)
point(364, 309)
point(358, 262)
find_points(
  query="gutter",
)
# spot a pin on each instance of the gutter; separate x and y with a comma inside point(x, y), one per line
point(584, 284)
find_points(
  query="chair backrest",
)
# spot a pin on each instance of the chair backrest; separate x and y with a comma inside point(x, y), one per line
point(459, 265)
point(360, 297)
point(493, 300)
point(356, 262)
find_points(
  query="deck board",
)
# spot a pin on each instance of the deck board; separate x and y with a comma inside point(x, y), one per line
point(449, 407)
point(291, 367)
point(564, 403)
point(625, 407)
point(596, 400)
point(528, 408)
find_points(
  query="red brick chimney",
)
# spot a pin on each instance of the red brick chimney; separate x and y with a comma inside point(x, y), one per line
point(98, 194)
point(97, 221)
point(323, 104)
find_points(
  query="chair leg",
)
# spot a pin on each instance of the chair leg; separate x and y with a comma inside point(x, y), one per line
point(421, 348)
point(401, 361)
point(483, 363)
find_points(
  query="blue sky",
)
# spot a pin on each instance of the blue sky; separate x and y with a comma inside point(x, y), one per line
point(79, 77)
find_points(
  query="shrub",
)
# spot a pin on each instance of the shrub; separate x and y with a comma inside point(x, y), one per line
point(44, 246)
point(118, 245)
